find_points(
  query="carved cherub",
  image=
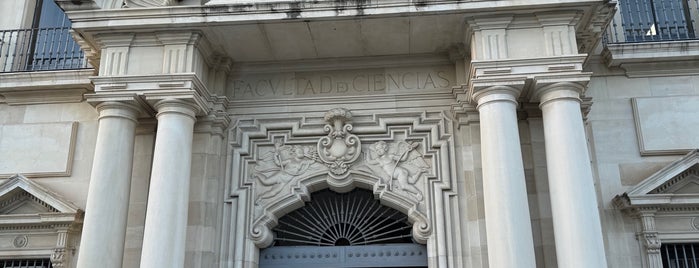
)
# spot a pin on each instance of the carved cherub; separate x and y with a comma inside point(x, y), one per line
point(396, 162)
point(279, 167)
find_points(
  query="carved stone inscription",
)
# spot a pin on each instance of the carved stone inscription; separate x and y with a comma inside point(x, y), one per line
point(341, 83)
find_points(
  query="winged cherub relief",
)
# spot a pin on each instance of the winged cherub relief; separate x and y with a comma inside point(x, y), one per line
point(279, 167)
point(399, 161)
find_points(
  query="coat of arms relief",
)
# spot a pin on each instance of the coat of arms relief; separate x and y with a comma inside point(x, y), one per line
point(399, 166)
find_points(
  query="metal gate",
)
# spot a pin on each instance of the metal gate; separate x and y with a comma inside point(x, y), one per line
point(343, 230)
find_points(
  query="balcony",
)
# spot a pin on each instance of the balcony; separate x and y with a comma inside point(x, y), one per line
point(654, 37)
point(653, 21)
point(39, 49)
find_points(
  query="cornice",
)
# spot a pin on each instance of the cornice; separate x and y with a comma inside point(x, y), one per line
point(622, 54)
point(260, 11)
point(152, 88)
point(42, 87)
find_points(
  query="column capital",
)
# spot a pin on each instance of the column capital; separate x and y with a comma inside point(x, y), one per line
point(179, 106)
point(124, 105)
point(482, 91)
point(554, 85)
point(558, 91)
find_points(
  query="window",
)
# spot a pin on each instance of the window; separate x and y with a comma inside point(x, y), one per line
point(48, 45)
point(26, 263)
point(653, 20)
point(54, 48)
point(680, 255)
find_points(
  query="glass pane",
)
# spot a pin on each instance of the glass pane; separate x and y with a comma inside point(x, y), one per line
point(670, 20)
point(637, 20)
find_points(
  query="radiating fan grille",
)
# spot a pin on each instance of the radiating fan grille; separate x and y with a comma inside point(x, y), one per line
point(333, 219)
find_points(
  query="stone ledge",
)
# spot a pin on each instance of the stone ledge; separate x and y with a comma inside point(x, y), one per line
point(654, 58)
point(43, 87)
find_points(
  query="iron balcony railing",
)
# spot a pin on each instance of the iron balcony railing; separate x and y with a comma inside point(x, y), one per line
point(39, 49)
point(653, 20)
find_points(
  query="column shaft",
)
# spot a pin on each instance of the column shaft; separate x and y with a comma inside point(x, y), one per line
point(168, 196)
point(104, 228)
point(508, 225)
point(576, 219)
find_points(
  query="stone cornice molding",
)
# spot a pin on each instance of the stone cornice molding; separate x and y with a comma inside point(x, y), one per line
point(530, 68)
point(232, 12)
point(593, 24)
point(22, 88)
point(90, 50)
point(105, 40)
point(157, 87)
point(558, 18)
point(652, 192)
point(490, 22)
point(216, 123)
point(74, 5)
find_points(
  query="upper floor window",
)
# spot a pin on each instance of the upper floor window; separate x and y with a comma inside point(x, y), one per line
point(653, 20)
point(48, 45)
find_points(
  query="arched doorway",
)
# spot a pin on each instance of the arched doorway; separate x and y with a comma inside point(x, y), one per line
point(343, 230)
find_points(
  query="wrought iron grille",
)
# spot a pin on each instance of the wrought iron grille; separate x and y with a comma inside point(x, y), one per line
point(39, 49)
point(26, 263)
point(653, 20)
point(349, 219)
point(680, 255)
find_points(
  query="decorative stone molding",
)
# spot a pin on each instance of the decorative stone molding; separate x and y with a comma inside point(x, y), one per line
point(150, 89)
point(21, 88)
point(488, 37)
point(340, 148)
point(669, 195)
point(277, 165)
point(593, 24)
point(41, 216)
point(114, 51)
point(559, 32)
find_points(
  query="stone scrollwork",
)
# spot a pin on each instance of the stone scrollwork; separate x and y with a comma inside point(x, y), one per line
point(280, 166)
point(58, 257)
point(340, 147)
point(651, 242)
point(285, 168)
point(399, 165)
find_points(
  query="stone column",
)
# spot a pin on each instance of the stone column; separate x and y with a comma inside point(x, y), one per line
point(508, 225)
point(104, 228)
point(576, 220)
point(166, 217)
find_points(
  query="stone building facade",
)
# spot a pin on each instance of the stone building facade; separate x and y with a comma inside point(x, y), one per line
point(382, 133)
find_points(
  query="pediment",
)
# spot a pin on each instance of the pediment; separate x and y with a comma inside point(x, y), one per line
point(23, 201)
point(676, 184)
